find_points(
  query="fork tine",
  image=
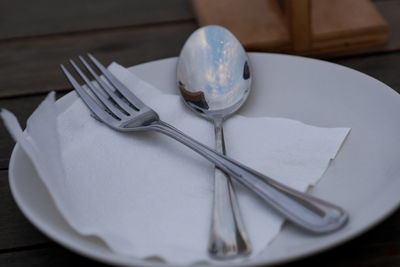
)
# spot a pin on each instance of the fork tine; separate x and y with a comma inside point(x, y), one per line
point(96, 91)
point(117, 84)
point(88, 100)
point(124, 106)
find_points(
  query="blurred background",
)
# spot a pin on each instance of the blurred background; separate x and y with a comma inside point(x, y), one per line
point(36, 36)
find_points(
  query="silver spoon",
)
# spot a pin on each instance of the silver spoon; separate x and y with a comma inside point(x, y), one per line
point(214, 80)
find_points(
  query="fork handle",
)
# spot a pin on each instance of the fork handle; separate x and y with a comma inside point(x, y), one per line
point(305, 211)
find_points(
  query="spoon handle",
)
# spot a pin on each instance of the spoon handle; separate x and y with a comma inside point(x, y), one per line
point(228, 237)
point(305, 211)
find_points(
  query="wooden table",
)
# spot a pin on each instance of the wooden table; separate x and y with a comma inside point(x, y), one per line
point(36, 36)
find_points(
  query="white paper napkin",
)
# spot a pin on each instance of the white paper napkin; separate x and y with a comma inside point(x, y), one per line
point(147, 195)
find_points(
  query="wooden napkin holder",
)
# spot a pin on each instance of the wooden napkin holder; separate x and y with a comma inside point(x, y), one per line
point(305, 27)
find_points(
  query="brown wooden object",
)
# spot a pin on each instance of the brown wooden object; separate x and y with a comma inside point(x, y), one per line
point(256, 23)
point(307, 27)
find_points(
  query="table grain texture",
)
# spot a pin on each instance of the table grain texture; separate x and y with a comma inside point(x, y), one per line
point(36, 36)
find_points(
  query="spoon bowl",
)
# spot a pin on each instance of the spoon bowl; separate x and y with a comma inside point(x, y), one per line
point(213, 73)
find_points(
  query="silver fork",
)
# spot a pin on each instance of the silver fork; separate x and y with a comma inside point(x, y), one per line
point(117, 107)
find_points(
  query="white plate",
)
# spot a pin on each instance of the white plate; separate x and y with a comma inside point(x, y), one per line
point(364, 178)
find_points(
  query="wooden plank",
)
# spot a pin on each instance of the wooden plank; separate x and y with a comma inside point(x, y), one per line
point(390, 10)
point(298, 14)
point(357, 44)
point(343, 25)
point(22, 107)
point(342, 18)
point(28, 67)
point(47, 256)
point(15, 230)
point(20, 18)
point(316, 27)
point(257, 24)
